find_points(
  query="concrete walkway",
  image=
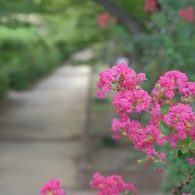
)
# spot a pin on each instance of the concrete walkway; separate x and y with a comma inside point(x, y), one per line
point(41, 133)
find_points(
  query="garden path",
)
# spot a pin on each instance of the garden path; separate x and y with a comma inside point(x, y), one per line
point(41, 132)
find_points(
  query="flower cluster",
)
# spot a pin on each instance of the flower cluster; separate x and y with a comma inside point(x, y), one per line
point(143, 138)
point(105, 19)
point(130, 95)
point(150, 5)
point(171, 82)
point(181, 119)
point(52, 187)
point(124, 102)
point(174, 124)
point(187, 14)
point(111, 185)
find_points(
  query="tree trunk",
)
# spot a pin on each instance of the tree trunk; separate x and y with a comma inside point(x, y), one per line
point(124, 18)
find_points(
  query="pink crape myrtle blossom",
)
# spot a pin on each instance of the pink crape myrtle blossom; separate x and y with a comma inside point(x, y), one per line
point(104, 84)
point(187, 14)
point(117, 125)
point(103, 19)
point(162, 156)
point(124, 102)
point(111, 185)
point(119, 77)
point(191, 161)
point(171, 121)
point(150, 5)
point(174, 81)
point(161, 169)
point(182, 119)
point(53, 186)
point(171, 81)
point(143, 138)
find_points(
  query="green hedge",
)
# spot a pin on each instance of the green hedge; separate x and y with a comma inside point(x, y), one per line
point(26, 56)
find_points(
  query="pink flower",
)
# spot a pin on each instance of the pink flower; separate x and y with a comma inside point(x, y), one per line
point(111, 185)
point(191, 161)
point(100, 94)
point(182, 119)
point(121, 124)
point(52, 186)
point(103, 19)
point(160, 169)
point(187, 14)
point(141, 77)
point(124, 101)
point(169, 82)
point(150, 5)
point(162, 155)
point(120, 77)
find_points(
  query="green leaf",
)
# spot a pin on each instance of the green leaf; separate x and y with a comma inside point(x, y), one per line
point(187, 141)
point(179, 154)
point(164, 128)
point(174, 101)
point(160, 95)
point(130, 193)
point(184, 142)
point(186, 188)
point(157, 165)
point(165, 108)
point(185, 150)
point(144, 160)
point(192, 146)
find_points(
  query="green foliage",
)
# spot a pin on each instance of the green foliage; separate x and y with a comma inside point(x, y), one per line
point(26, 56)
point(164, 128)
point(4, 83)
point(169, 41)
point(165, 108)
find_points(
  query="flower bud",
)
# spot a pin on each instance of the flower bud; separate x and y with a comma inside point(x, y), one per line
point(163, 90)
point(179, 186)
point(157, 86)
point(172, 152)
point(174, 191)
point(137, 87)
point(124, 133)
point(184, 100)
point(139, 161)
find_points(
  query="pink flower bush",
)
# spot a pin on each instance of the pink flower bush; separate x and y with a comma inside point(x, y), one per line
point(172, 121)
point(104, 20)
point(150, 5)
point(53, 186)
point(111, 185)
point(187, 14)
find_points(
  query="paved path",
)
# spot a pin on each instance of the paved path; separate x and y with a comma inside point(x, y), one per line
point(41, 132)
